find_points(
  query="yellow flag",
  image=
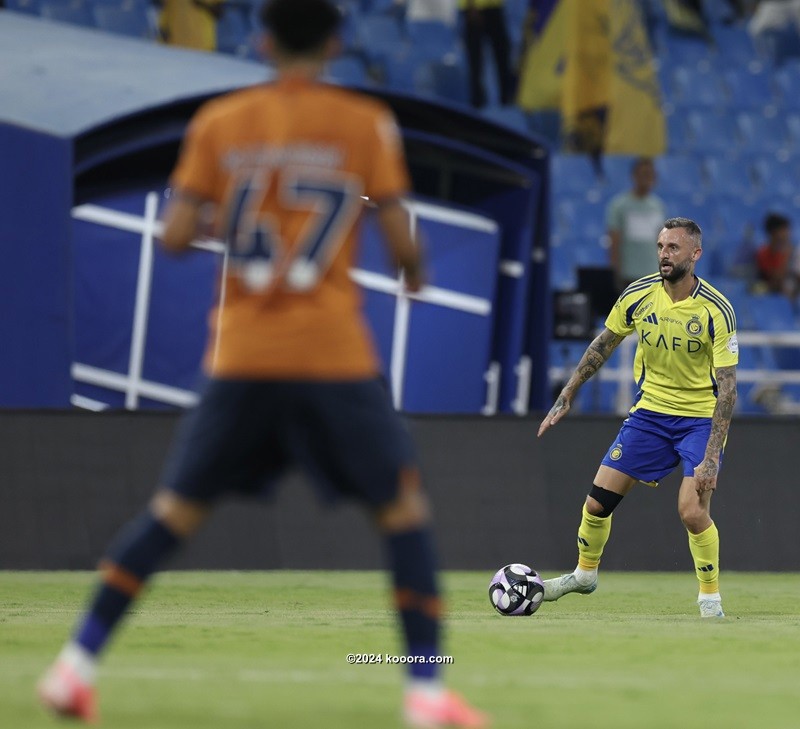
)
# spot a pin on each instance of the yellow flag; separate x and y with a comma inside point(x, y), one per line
point(542, 66)
point(635, 122)
point(587, 76)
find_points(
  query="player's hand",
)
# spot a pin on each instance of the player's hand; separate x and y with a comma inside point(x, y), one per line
point(706, 475)
point(414, 277)
point(559, 410)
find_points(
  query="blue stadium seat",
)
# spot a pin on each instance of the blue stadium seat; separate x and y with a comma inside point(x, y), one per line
point(762, 134)
point(400, 69)
point(680, 174)
point(793, 130)
point(787, 82)
point(749, 90)
point(432, 40)
point(562, 269)
point(547, 125)
point(31, 7)
point(772, 312)
point(730, 177)
point(450, 82)
point(696, 89)
point(573, 174)
point(377, 30)
point(579, 218)
point(75, 12)
point(737, 222)
point(734, 46)
point(617, 171)
point(685, 206)
point(677, 133)
point(777, 177)
point(711, 132)
point(590, 252)
point(686, 50)
point(127, 18)
point(348, 70)
point(717, 12)
point(234, 31)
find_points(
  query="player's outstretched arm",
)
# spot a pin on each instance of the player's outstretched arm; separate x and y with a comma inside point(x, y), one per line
point(593, 359)
point(706, 472)
point(405, 251)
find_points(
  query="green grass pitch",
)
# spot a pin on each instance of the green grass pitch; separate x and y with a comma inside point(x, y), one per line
point(242, 650)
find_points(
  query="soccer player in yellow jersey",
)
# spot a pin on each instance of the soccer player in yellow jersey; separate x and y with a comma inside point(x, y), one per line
point(294, 379)
point(685, 367)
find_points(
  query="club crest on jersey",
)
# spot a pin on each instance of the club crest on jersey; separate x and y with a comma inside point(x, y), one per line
point(616, 452)
point(694, 327)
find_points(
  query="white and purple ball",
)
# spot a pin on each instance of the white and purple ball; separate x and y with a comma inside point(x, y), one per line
point(516, 589)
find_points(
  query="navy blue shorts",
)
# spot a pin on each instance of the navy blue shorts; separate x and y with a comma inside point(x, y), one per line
point(650, 445)
point(244, 434)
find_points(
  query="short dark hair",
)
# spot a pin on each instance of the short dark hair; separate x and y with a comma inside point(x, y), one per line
point(300, 26)
point(693, 229)
point(639, 162)
point(774, 222)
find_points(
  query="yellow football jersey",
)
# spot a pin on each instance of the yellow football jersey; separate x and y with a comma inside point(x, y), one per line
point(680, 345)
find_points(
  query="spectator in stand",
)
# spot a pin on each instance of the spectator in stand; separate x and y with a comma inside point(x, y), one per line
point(774, 259)
point(486, 19)
point(633, 220)
point(772, 15)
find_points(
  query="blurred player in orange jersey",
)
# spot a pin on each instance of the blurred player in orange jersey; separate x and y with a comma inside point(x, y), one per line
point(294, 378)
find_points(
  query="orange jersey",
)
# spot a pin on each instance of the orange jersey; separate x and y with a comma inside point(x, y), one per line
point(286, 164)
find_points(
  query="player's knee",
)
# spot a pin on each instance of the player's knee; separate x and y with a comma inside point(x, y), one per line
point(693, 516)
point(181, 516)
point(409, 510)
point(602, 502)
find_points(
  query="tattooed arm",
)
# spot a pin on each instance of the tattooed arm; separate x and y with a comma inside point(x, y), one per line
point(706, 472)
point(593, 359)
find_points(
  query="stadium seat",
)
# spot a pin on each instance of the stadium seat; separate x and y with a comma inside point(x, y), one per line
point(680, 174)
point(573, 174)
point(127, 18)
point(590, 252)
point(685, 50)
point(562, 269)
point(450, 82)
point(348, 70)
point(617, 172)
point(234, 31)
point(758, 133)
point(31, 7)
point(677, 133)
point(400, 69)
point(377, 30)
point(75, 12)
point(749, 90)
point(777, 177)
point(710, 132)
point(546, 124)
point(579, 218)
point(771, 312)
point(431, 40)
point(787, 83)
point(734, 47)
point(695, 89)
point(730, 177)
point(793, 130)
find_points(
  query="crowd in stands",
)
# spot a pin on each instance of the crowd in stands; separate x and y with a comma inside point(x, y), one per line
point(729, 73)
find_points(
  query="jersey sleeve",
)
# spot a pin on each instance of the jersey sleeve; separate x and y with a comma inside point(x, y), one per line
point(197, 171)
point(620, 319)
point(388, 177)
point(725, 347)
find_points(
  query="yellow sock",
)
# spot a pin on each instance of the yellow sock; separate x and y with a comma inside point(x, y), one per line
point(705, 551)
point(592, 537)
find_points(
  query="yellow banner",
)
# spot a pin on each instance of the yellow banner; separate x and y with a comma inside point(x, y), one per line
point(587, 76)
point(635, 121)
point(542, 66)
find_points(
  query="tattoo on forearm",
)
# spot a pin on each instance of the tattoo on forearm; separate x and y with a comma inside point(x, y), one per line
point(723, 411)
point(593, 358)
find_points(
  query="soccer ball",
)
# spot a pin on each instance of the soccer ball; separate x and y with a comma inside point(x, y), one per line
point(516, 589)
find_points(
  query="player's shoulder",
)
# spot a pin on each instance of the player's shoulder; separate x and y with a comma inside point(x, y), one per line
point(716, 302)
point(641, 287)
point(221, 107)
point(354, 104)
